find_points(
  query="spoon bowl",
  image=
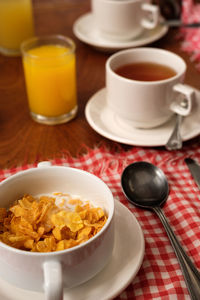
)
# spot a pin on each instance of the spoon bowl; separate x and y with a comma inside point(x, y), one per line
point(146, 186)
point(143, 174)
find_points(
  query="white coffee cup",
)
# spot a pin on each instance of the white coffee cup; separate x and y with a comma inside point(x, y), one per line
point(147, 104)
point(51, 272)
point(123, 19)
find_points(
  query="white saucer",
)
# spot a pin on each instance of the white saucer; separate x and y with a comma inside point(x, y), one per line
point(126, 260)
point(105, 122)
point(85, 30)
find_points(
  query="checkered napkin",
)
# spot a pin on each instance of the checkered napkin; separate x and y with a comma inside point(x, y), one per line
point(160, 276)
point(191, 36)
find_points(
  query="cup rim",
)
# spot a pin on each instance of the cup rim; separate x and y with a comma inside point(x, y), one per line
point(44, 38)
point(140, 82)
point(72, 249)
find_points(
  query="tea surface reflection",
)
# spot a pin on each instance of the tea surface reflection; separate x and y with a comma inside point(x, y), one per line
point(145, 71)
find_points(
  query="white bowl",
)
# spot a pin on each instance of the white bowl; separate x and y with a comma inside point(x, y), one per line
point(47, 271)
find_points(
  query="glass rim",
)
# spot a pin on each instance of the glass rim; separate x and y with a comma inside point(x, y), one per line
point(45, 38)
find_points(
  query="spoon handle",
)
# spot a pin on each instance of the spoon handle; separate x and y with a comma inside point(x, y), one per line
point(175, 140)
point(190, 272)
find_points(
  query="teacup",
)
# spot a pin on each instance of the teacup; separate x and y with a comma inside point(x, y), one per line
point(123, 19)
point(147, 104)
point(50, 272)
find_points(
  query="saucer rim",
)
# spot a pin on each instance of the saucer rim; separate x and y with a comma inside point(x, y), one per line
point(123, 213)
point(114, 45)
point(135, 141)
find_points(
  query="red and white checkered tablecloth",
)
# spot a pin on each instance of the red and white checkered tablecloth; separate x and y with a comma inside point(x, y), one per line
point(191, 36)
point(160, 276)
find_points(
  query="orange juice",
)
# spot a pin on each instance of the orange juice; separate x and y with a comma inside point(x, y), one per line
point(16, 24)
point(50, 80)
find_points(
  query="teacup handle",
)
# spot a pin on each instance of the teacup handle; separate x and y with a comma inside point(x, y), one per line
point(154, 10)
point(184, 100)
point(53, 283)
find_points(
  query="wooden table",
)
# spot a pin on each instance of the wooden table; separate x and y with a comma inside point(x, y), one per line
point(24, 141)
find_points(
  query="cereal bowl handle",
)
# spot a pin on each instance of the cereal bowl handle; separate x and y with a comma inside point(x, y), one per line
point(44, 164)
point(53, 283)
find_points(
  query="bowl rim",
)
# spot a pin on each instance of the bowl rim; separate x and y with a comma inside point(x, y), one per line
point(77, 247)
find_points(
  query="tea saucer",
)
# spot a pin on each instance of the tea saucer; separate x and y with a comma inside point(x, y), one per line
point(106, 123)
point(85, 31)
point(126, 260)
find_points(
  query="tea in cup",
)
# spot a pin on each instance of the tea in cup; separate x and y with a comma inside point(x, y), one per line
point(123, 19)
point(144, 86)
point(50, 74)
point(16, 25)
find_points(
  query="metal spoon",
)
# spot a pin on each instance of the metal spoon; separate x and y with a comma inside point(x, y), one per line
point(146, 186)
point(175, 140)
point(179, 23)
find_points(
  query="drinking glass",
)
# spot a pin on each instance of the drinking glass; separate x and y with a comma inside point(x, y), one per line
point(16, 25)
point(50, 75)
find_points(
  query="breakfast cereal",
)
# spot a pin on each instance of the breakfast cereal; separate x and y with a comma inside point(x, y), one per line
point(49, 223)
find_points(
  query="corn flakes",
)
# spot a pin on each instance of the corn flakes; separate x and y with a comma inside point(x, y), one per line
point(40, 225)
